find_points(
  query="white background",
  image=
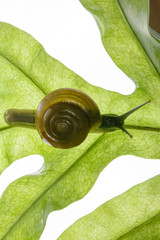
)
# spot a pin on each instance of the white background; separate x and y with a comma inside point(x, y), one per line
point(69, 33)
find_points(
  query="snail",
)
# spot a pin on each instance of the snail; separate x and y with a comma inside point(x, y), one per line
point(65, 117)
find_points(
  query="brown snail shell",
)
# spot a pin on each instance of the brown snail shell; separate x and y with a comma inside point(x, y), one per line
point(66, 116)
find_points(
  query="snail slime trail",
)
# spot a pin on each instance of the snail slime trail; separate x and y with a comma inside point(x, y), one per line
point(65, 116)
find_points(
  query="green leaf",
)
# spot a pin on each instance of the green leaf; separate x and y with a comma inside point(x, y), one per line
point(132, 215)
point(27, 74)
point(129, 43)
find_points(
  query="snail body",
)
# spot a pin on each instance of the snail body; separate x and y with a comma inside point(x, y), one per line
point(65, 117)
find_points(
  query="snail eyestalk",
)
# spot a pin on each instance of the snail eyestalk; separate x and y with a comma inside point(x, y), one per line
point(127, 114)
point(112, 122)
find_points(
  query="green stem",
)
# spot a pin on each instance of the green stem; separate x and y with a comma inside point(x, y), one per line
point(132, 127)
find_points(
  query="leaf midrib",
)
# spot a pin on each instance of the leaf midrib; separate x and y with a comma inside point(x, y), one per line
point(5, 128)
point(133, 127)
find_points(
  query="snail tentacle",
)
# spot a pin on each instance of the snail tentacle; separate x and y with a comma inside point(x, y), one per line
point(114, 122)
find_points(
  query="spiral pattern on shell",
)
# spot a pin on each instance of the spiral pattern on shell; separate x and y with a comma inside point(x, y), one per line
point(65, 116)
